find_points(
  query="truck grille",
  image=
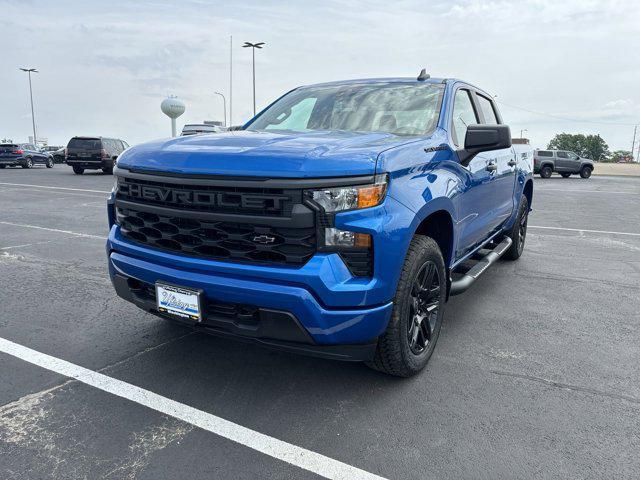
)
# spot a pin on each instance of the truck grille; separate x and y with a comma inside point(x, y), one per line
point(265, 226)
point(208, 198)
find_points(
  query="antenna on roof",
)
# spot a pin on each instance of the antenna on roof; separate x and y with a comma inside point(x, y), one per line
point(423, 75)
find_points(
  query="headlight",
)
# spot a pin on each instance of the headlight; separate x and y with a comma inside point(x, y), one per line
point(351, 198)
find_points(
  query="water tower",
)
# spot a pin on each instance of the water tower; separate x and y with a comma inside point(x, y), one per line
point(172, 107)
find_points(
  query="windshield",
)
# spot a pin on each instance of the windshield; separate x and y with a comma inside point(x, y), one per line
point(397, 108)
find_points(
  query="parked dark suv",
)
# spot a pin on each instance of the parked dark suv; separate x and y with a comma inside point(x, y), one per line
point(25, 155)
point(94, 153)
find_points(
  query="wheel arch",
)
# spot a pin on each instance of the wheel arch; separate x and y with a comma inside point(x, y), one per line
point(527, 191)
point(439, 226)
point(548, 164)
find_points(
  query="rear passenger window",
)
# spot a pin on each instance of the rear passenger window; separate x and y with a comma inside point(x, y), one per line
point(488, 111)
point(545, 153)
point(562, 155)
point(463, 116)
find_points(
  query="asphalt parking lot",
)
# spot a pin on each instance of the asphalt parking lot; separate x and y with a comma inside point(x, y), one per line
point(536, 373)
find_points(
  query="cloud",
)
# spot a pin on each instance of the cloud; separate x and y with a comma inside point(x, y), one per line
point(105, 67)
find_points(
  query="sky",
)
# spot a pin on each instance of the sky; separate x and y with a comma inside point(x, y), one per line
point(104, 66)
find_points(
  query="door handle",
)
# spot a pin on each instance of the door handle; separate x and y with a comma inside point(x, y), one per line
point(512, 163)
point(492, 167)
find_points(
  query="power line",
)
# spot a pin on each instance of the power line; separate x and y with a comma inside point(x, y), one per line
point(566, 119)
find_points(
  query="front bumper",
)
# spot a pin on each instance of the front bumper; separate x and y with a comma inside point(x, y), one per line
point(324, 325)
point(272, 328)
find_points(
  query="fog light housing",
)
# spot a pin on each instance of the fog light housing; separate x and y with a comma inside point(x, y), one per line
point(334, 237)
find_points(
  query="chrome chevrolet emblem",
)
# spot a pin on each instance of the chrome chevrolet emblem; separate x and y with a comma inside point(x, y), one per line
point(264, 239)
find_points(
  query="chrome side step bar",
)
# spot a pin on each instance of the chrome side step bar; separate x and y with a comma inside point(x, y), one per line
point(463, 282)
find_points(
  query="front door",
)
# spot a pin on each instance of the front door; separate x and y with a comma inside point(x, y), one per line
point(475, 203)
point(503, 176)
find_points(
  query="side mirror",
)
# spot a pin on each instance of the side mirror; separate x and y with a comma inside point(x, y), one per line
point(483, 138)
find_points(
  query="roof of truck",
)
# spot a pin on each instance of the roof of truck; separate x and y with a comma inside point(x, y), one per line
point(383, 80)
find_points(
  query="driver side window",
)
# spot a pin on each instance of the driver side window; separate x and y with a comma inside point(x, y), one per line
point(297, 119)
point(463, 115)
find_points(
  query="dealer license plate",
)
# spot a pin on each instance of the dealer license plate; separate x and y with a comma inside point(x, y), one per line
point(178, 301)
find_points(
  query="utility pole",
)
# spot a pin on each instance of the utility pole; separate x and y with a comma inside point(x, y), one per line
point(633, 143)
point(253, 50)
point(33, 118)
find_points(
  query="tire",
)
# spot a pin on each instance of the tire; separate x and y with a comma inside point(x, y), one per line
point(586, 171)
point(78, 170)
point(49, 163)
point(546, 171)
point(565, 175)
point(28, 163)
point(3, 166)
point(518, 233)
point(407, 344)
point(109, 170)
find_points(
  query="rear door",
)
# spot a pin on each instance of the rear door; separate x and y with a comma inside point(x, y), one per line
point(502, 164)
point(33, 152)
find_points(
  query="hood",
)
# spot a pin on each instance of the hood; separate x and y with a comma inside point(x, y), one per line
point(259, 154)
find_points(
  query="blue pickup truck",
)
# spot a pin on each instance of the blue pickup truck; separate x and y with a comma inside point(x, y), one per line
point(337, 222)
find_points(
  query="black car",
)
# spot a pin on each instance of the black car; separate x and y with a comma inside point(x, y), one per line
point(58, 155)
point(93, 153)
point(25, 155)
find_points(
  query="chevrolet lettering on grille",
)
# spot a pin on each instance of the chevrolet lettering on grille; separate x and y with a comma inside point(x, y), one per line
point(202, 197)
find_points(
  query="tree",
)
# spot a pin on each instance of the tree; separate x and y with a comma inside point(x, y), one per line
point(589, 146)
point(6, 140)
point(620, 155)
point(596, 148)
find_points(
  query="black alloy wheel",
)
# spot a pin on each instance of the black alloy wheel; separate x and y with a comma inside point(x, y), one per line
point(522, 231)
point(424, 302)
point(546, 172)
point(518, 232)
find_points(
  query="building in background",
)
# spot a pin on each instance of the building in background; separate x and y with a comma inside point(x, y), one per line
point(40, 142)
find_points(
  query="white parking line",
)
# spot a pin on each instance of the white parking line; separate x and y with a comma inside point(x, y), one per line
point(585, 230)
point(292, 454)
point(54, 188)
point(543, 189)
point(69, 232)
point(37, 243)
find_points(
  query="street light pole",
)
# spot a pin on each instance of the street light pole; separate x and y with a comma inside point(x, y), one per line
point(224, 107)
point(33, 118)
point(522, 131)
point(253, 47)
